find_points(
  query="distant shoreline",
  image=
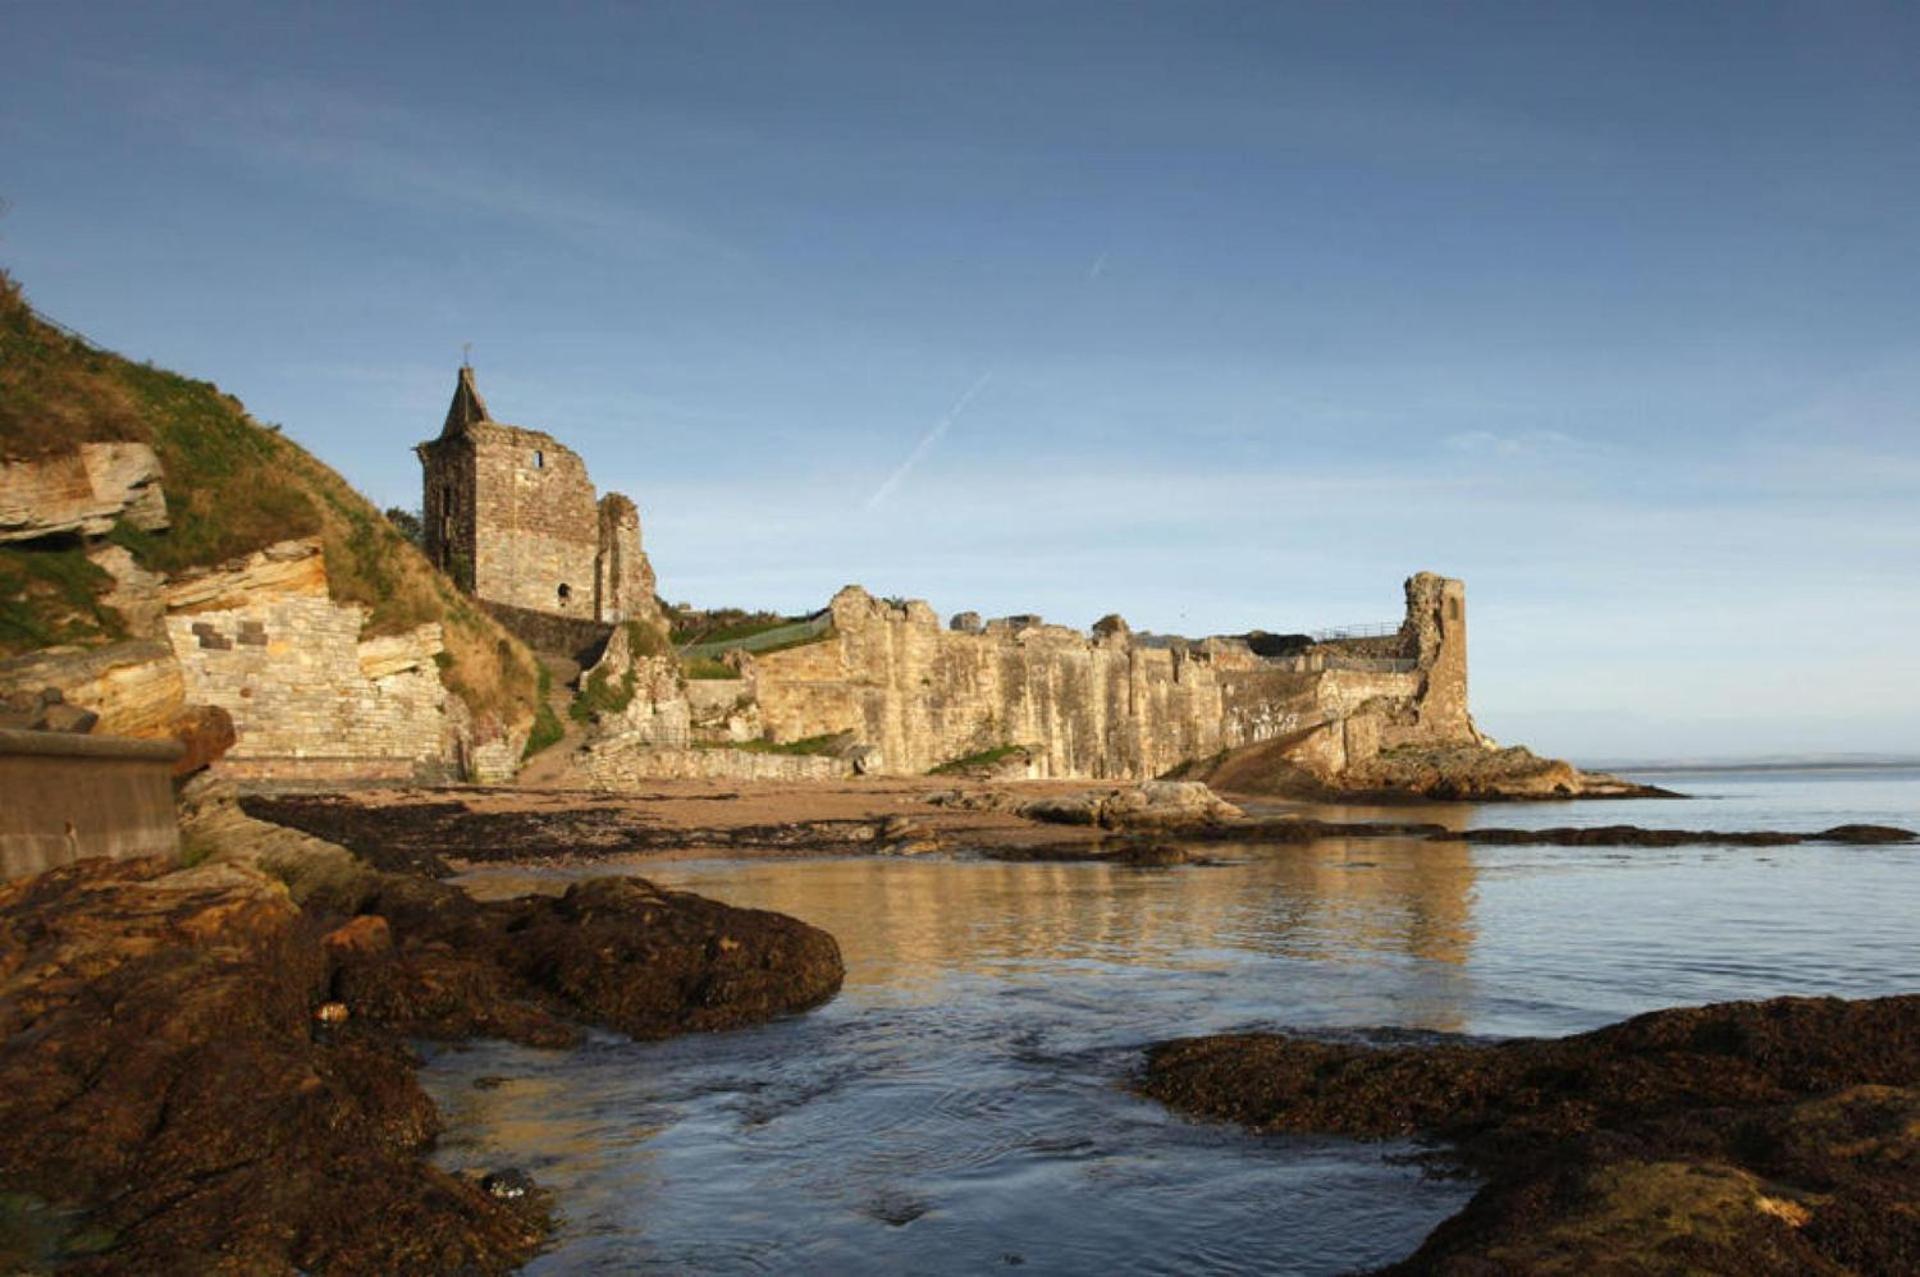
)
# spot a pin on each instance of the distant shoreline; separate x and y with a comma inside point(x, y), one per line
point(1809, 765)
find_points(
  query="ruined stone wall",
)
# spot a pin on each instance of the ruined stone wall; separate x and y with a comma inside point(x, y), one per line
point(624, 584)
point(261, 639)
point(1102, 705)
point(620, 763)
point(537, 524)
point(1437, 619)
point(924, 696)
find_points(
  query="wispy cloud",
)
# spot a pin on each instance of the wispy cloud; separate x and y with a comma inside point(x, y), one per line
point(376, 150)
point(1526, 443)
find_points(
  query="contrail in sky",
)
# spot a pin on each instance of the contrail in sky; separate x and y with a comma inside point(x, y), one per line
point(927, 441)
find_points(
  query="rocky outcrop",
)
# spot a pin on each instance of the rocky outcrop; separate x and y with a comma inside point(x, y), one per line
point(82, 493)
point(160, 1070)
point(1479, 772)
point(1304, 768)
point(1154, 804)
point(1776, 1137)
point(205, 1070)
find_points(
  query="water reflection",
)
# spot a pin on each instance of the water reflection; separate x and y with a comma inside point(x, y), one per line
point(960, 1105)
point(904, 925)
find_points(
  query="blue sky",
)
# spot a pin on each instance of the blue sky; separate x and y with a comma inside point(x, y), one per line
point(1217, 315)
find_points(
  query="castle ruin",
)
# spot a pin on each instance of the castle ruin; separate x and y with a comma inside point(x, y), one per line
point(510, 514)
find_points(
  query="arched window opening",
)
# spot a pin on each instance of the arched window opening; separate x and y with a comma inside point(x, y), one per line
point(539, 459)
point(565, 594)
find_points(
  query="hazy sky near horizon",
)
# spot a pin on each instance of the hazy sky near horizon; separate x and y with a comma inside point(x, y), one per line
point(1218, 315)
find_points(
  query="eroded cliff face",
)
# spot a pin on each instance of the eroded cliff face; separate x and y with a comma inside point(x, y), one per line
point(82, 492)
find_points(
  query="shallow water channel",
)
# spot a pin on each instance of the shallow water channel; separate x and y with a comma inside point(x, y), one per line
point(962, 1106)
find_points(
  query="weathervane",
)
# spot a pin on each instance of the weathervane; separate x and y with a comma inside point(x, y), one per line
point(466, 354)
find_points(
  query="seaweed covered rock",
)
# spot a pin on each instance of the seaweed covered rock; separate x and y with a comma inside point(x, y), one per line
point(159, 1069)
point(1759, 1137)
point(622, 953)
point(205, 1070)
point(1151, 804)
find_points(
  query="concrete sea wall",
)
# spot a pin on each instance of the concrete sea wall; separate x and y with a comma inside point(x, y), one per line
point(65, 796)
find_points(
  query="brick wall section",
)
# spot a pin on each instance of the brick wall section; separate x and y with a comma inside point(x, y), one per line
point(261, 639)
point(290, 672)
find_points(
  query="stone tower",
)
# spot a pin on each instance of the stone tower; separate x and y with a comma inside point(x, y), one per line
point(511, 515)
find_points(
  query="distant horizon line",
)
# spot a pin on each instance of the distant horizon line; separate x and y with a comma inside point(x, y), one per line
point(1763, 763)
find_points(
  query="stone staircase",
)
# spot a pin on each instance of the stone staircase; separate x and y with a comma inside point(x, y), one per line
point(552, 766)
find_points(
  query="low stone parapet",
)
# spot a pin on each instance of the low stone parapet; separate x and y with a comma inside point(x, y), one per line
point(618, 763)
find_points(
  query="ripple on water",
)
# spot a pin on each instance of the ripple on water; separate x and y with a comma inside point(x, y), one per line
point(962, 1107)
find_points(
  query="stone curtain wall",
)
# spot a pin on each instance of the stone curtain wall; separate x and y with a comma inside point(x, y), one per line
point(1102, 706)
point(537, 527)
point(926, 696)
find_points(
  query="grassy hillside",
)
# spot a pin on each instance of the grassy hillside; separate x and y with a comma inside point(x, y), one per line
point(232, 487)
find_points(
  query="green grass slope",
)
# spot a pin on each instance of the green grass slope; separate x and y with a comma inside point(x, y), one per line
point(233, 486)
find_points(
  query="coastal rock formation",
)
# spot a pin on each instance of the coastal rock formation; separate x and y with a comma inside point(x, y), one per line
point(159, 1069)
point(82, 492)
point(1777, 1137)
point(1154, 804)
point(203, 1070)
point(261, 640)
point(1296, 767)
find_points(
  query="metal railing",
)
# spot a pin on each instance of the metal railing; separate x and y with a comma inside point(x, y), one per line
point(65, 330)
point(1372, 629)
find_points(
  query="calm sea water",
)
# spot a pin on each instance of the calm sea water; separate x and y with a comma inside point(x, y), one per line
point(961, 1105)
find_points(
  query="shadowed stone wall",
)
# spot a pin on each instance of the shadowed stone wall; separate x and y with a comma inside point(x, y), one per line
point(511, 515)
point(64, 797)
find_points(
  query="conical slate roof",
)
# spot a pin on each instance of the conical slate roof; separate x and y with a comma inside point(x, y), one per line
point(467, 407)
